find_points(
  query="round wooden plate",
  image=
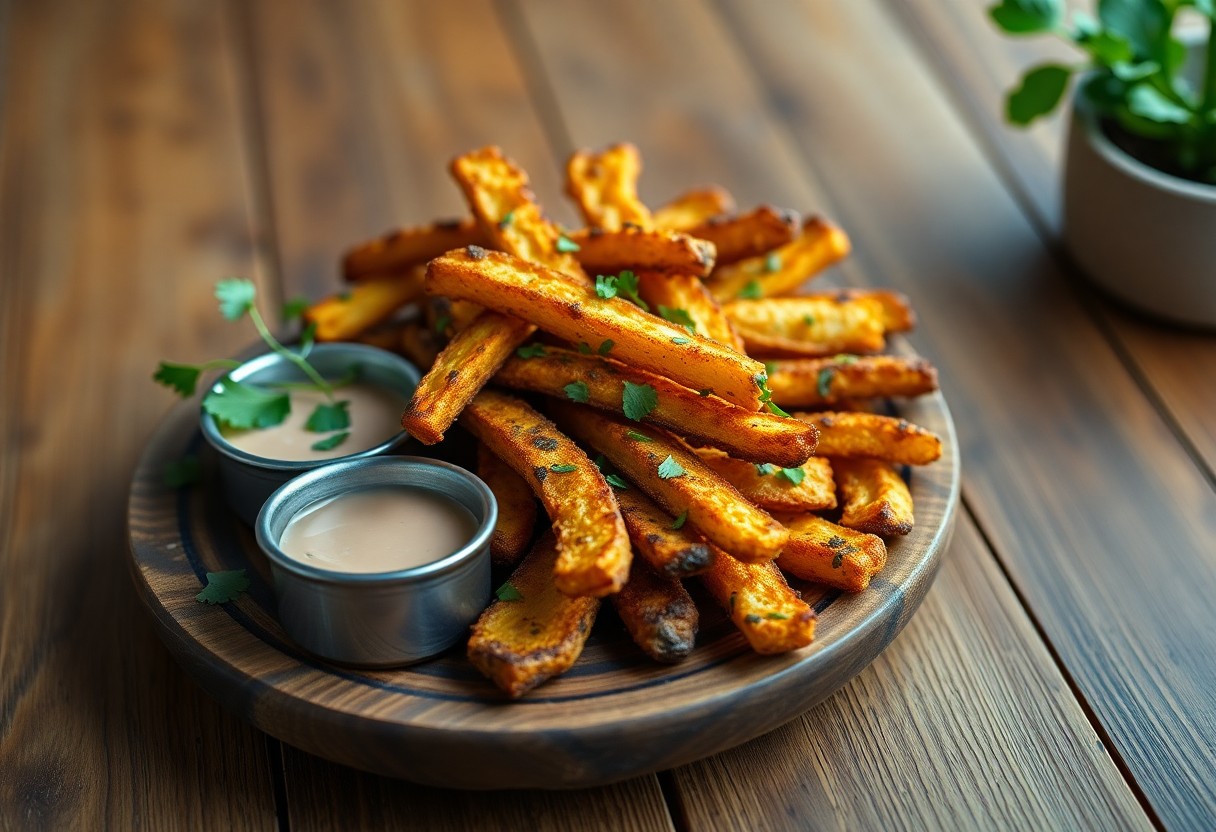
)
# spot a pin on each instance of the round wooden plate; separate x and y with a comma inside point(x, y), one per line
point(614, 715)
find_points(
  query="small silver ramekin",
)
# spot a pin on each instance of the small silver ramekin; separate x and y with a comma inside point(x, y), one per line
point(381, 619)
point(248, 479)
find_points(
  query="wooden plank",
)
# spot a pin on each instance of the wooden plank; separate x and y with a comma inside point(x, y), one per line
point(977, 64)
point(121, 200)
point(324, 796)
point(371, 102)
point(964, 723)
point(1071, 471)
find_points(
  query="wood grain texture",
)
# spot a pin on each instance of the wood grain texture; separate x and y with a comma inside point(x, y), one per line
point(121, 199)
point(977, 65)
point(1072, 472)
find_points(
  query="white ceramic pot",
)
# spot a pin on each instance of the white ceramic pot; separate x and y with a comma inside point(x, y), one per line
point(1147, 237)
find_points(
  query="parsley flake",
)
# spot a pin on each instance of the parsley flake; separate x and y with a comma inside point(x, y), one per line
point(223, 587)
point(624, 284)
point(777, 616)
point(508, 592)
point(823, 383)
point(606, 347)
point(243, 406)
point(329, 417)
point(679, 521)
point(616, 481)
point(680, 341)
point(809, 320)
point(752, 290)
point(763, 469)
point(577, 391)
point(706, 392)
point(566, 245)
point(182, 472)
point(640, 437)
point(330, 442)
point(605, 286)
point(506, 219)
point(584, 348)
point(531, 351)
point(638, 400)
point(678, 316)
point(565, 468)
point(794, 475)
point(669, 469)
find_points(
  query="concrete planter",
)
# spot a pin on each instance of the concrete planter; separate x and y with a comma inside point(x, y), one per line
point(1146, 237)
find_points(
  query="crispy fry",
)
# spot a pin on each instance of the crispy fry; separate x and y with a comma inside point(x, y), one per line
point(497, 190)
point(344, 316)
point(897, 314)
point(870, 435)
point(405, 248)
point(575, 313)
point(604, 185)
point(876, 498)
point(694, 207)
point(771, 487)
point(688, 292)
point(521, 643)
point(642, 249)
point(761, 604)
point(784, 269)
point(516, 508)
point(754, 436)
point(672, 552)
point(658, 613)
point(807, 327)
point(748, 235)
point(712, 504)
point(823, 552)
point(815, 381)
point(419, 344)
point(591, 538)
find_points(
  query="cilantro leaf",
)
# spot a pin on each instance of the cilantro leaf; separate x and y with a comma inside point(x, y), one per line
point(794, 475)
point(638, 400)
point(680, 341)
point(766, 395)
point(679, 521)
point(506, 219)
point(508, 592)
point(616, 481)
point(223, 587)
point(638, 437)
point(627, 286)
point(329, 417)
point(670, 469)
point(584, 348)
point(577, 391)
point(605, 286)
point(181, 377)
point(775, 410)
point(235, 296)
point(606, 347)
point(563, 469)
point(566, 245)
point(679, 316)
point(244, 406)
point(531, 351)
point(763, 469)
point(752, 290)
point(294, 308)
point(182, 472)
point(330, 442)
point(751, 618)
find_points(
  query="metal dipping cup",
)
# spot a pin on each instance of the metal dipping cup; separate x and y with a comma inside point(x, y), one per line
point(380, 619)
point(247, 479)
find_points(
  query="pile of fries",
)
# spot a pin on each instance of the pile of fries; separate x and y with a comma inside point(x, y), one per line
point(618, 373)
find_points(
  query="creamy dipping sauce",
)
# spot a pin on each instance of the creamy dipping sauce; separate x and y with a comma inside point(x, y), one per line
point(375, 417)
point(378, 530)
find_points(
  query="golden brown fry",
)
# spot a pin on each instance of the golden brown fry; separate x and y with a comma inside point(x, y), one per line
point(604, 185)
point(897, 314)
point(642, 249)
point(807, 327)
point(347, 315)
point(519, 644)
point(783, 270)
point(753, 234)
point(688, 293)
point(516, 508)
point(774, 488)
point(497, 190)
point(672, 552)
point(870, 435)
point(876, 498)
point(694, 207)
point(658, 612)
point(815, 381)
point(746, 434)
point(823, 552)
point(419, 344)
point(591, 538)
point(575, 313)
point(683, 484)
point(408, 247)
point(761, 604)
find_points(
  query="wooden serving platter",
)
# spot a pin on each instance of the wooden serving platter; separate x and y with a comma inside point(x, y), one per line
point(616, 714)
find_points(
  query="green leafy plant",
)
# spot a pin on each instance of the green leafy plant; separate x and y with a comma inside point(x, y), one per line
point(1133, 77)
point(244, 406)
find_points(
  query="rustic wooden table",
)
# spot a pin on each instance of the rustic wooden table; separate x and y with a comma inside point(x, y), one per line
point(1062, 672)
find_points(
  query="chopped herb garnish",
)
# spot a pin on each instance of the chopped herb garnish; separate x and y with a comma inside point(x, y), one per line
point(772, 262)
point(331, 442)
point(707, 391)
point(506, 219)
point(329, 417)
point(605, 286)
point(531, 351)
point(223, 587)
point(794, 475)
point(809, 320)
point(638, 400)
point(508, 592)
point(752, 618)
point(563, 469)
point(600, 462)
point(183, 378)
point(679, 316)
point(752, 290)
point(679, 521)
point(182, 472)
point(823, 383)
point(624, 284)
point(845, 358)
point(769, 368)
point(680, 340)
point(441, 323)
point(765, 468)
point(669, 469)
point(640, 437)
point(566, 245)
point(294, 308)
point(577, 391)
point(777, 616)
point(766, 396)
point(243, 406)
point(838, 560)
point(584, 348)
point(616, 481)
point(606, 346)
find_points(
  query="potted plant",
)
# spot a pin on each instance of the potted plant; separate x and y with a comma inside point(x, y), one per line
point(1140, 170)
